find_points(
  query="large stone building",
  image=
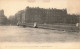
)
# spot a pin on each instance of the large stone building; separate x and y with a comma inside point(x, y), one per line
point(3, 19)
point(41, 15)
point(48, 16)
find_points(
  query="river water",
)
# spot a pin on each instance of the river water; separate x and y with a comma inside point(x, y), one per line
point(20, 34)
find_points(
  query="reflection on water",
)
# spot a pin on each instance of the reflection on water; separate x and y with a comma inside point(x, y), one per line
point(20, 34)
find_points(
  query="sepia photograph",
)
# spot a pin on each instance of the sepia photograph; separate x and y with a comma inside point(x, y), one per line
point(39, 24)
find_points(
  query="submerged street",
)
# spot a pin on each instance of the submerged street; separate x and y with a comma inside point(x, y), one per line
point(20, 34)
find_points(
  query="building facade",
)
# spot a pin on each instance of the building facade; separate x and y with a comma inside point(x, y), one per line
point(41, 15)
point(48, 16)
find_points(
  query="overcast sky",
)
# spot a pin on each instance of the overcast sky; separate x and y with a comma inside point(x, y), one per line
point(13, 6)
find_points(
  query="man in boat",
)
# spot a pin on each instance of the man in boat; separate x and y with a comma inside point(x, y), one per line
point(17, 24)
point(35, 25)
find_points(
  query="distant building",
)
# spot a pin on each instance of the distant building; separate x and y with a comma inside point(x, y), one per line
point(3, 19)
point(19, 17)
point(1, 12)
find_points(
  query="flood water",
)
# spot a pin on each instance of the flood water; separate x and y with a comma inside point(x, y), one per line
point(20, 34)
